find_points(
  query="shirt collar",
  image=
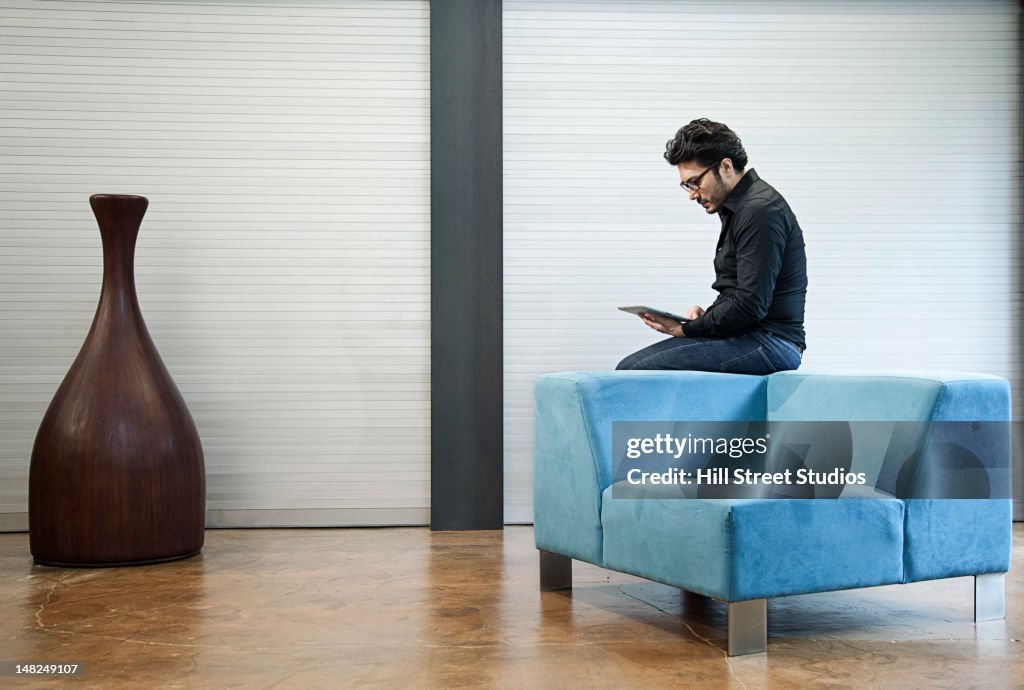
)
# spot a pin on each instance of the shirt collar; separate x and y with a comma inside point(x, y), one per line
point(740, 190)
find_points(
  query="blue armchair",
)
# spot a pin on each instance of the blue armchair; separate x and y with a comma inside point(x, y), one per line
point(744, 550)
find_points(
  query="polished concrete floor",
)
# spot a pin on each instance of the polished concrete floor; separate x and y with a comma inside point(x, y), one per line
point(407, 608)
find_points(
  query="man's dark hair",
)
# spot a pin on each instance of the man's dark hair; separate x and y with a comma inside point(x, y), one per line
point(706, 142)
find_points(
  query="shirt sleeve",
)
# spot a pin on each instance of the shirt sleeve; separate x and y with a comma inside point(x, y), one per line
point(759, 235)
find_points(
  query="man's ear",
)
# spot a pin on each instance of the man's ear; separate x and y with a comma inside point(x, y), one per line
point(727, 167)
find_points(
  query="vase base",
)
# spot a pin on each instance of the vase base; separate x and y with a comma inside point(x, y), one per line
point(119, 564)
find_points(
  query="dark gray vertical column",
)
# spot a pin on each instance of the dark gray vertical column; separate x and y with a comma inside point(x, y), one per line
point(467, 486)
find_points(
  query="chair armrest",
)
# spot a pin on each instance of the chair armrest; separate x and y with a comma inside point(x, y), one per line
point(573, 442)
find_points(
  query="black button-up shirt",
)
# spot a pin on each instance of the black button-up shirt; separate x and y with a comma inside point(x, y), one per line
point(760, 267)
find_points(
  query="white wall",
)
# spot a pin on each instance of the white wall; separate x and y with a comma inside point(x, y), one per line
point(283, 267)
point(892, 128)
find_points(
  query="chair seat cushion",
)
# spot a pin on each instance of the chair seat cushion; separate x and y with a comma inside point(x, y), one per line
point(740, 549)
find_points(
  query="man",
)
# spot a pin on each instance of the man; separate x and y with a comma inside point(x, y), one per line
point(756, 326)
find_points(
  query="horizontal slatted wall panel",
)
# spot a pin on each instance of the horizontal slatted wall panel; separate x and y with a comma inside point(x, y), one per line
point(283, 266)
point(891, 127)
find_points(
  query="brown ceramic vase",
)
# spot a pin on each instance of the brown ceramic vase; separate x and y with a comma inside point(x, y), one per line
point(117, 475)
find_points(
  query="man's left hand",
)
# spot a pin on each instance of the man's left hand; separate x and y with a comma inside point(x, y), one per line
point(663, 324)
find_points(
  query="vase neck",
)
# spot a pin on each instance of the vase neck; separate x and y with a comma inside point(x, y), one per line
point(119, 218)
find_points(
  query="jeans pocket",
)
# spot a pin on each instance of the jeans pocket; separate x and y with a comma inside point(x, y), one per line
point(783, 354)
point(790, 347)
point(755, 362)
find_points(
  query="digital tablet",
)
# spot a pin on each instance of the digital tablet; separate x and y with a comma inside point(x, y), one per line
point(652, 310)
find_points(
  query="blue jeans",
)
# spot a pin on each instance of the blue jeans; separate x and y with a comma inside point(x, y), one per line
point(754, 352)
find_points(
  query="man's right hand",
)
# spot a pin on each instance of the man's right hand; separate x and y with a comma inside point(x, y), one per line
point(694, 312)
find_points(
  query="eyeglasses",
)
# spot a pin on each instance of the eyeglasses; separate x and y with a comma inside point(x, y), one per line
point(694, 184)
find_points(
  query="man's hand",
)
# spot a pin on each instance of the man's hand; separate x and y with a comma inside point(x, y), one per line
point(663, 324)
point(694, 312)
